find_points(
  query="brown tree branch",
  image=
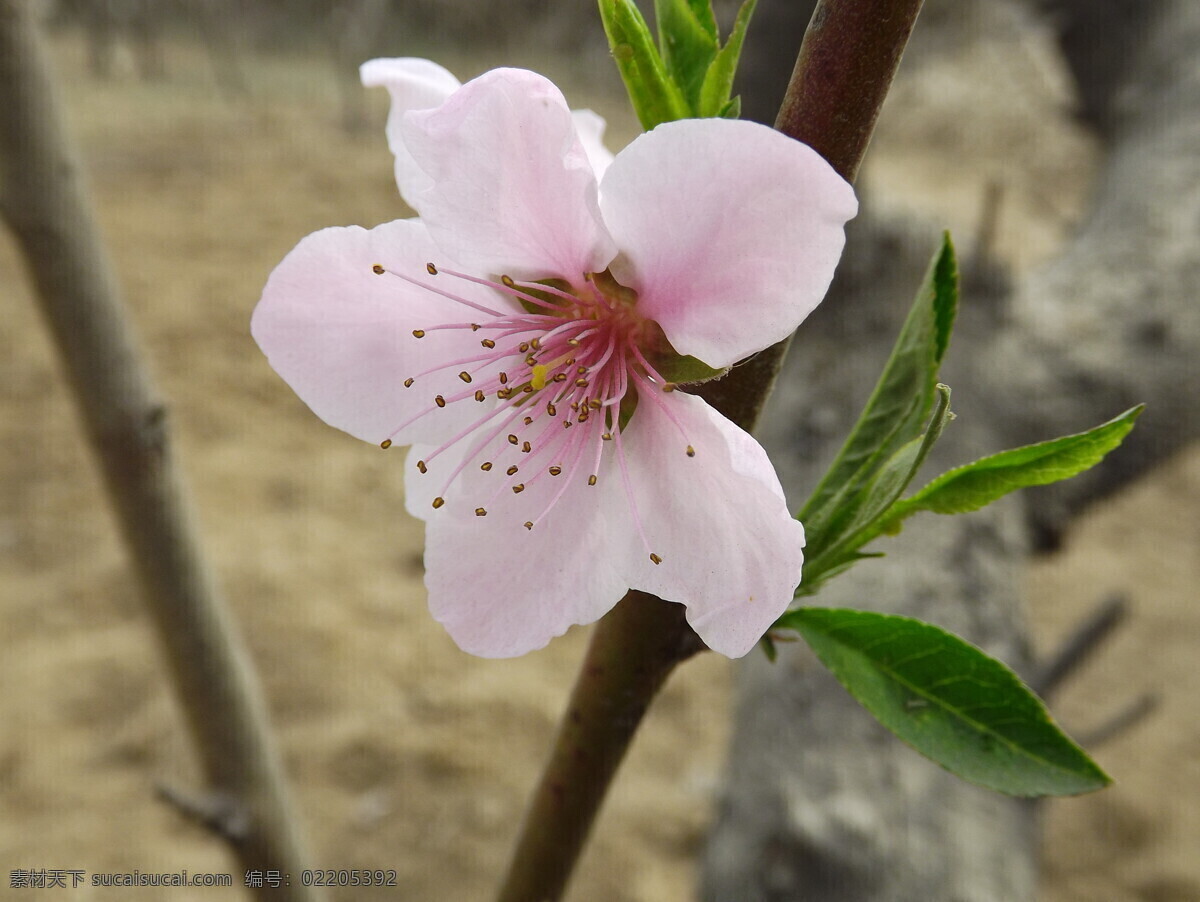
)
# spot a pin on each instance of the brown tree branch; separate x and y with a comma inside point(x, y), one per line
point(846, 65)
point(43, 201)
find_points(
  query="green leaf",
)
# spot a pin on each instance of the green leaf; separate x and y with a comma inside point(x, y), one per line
point(655, 97)
point(897, 408)
point(687, 44)
point(864, 520)
point(949, 701)
point(714, 94)
point(687, 370)
point(974, 485)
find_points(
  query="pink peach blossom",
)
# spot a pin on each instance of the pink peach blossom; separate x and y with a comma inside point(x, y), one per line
point(516, 334)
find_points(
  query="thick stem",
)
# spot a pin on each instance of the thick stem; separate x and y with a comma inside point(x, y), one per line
point(846, 64)
point(632, 652)
point(43, 202)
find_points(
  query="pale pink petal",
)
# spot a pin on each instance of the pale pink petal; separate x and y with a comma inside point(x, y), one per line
point(728, 230)
point(590, 126)
point(414, 84)
point(502, 590)
point(511, 187)
point(730, 550)
point(341, 336)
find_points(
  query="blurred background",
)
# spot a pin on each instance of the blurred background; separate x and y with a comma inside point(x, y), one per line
point(216, 135)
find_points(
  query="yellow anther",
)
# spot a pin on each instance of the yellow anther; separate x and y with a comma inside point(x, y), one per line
point(655, 558)
point(438, 502)
point(691, 452)
point(385, 444)
point(408, 382)
point(378, 270)
point(512, 471)
point(431, 269)
point(479, 395)
point(554, 471)
point(480, 512)
point(418, 333)
point(439, 401)
point(512, 439)
point(529, 524)
point(421, 466)
point(592, 479)
point(488, 343)
point(485, 466)
point(465, 376)
point(552, 410)
point(526, 447)
point(507, 281)
point(518, 488)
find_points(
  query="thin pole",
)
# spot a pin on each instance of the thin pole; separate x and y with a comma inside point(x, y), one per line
point(43, 201)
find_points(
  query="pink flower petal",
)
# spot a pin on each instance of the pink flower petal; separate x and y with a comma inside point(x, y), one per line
point(502, 590)
point(730, 550)
point(341, 336)
point(590, 126)
point(728, 230)
point(414, 84)
point(511, 187)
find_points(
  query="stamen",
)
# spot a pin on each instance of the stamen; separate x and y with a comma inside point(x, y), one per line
point(421, 466)
point(512, 471)
point(655, 558)
point(438, 502)
point(479, 395)
point(624, 467)
point(485, 466)
point(385, 444)
point(488, 343)
point(480, 512)
point(408, 382)
point(431, 269)
point(439, 401)
point(465, 376)
point(418, 333)
point(378, 269)
point(554, 471)
point(518, 488)
point(691, 452)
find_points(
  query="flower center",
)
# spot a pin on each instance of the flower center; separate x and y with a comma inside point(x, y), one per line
point(558, 381)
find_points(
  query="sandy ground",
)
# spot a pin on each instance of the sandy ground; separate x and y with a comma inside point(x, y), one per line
point(406, 754)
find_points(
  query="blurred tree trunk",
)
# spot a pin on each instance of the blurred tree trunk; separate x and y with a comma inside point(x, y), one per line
point(819, 802)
